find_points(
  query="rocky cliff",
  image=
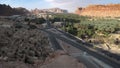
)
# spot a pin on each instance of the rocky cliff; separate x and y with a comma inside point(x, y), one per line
point(6, 10)
point(52, 10)
point(110, 10)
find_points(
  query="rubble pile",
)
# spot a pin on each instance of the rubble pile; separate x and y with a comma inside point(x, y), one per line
point(27, 46)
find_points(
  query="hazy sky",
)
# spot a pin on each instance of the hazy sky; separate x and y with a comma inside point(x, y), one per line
point(70, 5)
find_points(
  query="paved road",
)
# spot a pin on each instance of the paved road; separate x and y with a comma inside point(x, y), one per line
point(105, 52)
point(93, 53)
point(87, 62)
point(55, 44)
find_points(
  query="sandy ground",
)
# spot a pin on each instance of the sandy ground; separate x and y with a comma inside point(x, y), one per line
point(64, 61)
point(114, 48)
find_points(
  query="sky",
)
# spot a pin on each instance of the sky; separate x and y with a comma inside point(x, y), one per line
point(69, 5)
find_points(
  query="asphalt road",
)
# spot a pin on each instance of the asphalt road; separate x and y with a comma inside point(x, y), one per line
point(87, 62)
point(55, 44)
point(83, 48)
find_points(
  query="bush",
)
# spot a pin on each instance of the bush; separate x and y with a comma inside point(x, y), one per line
point(18, 25)
point(32, 27)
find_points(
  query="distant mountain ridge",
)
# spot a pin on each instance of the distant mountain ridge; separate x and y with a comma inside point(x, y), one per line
point(110, 10)
point(52, 10)
point(6, 10)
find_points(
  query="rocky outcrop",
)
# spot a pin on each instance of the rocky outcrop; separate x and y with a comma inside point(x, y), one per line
point(52, 10)
point(110, 10)
point(22, 47)
point(6, 10)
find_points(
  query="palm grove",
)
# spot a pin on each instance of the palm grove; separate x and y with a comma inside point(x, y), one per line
point(89, 27)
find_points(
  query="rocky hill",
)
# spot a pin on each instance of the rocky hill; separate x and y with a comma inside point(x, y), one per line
point(6, 10)
point(110, 10)
point(22, 47)
point(52, 10)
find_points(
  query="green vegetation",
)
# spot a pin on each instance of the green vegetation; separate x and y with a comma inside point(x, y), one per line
point(66, 17)
point(99, 26)
point(89, 27)
point(86, 27)
point(36, 20)
point(69, 20)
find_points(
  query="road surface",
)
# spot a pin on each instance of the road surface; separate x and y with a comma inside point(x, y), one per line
point(83, 48)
